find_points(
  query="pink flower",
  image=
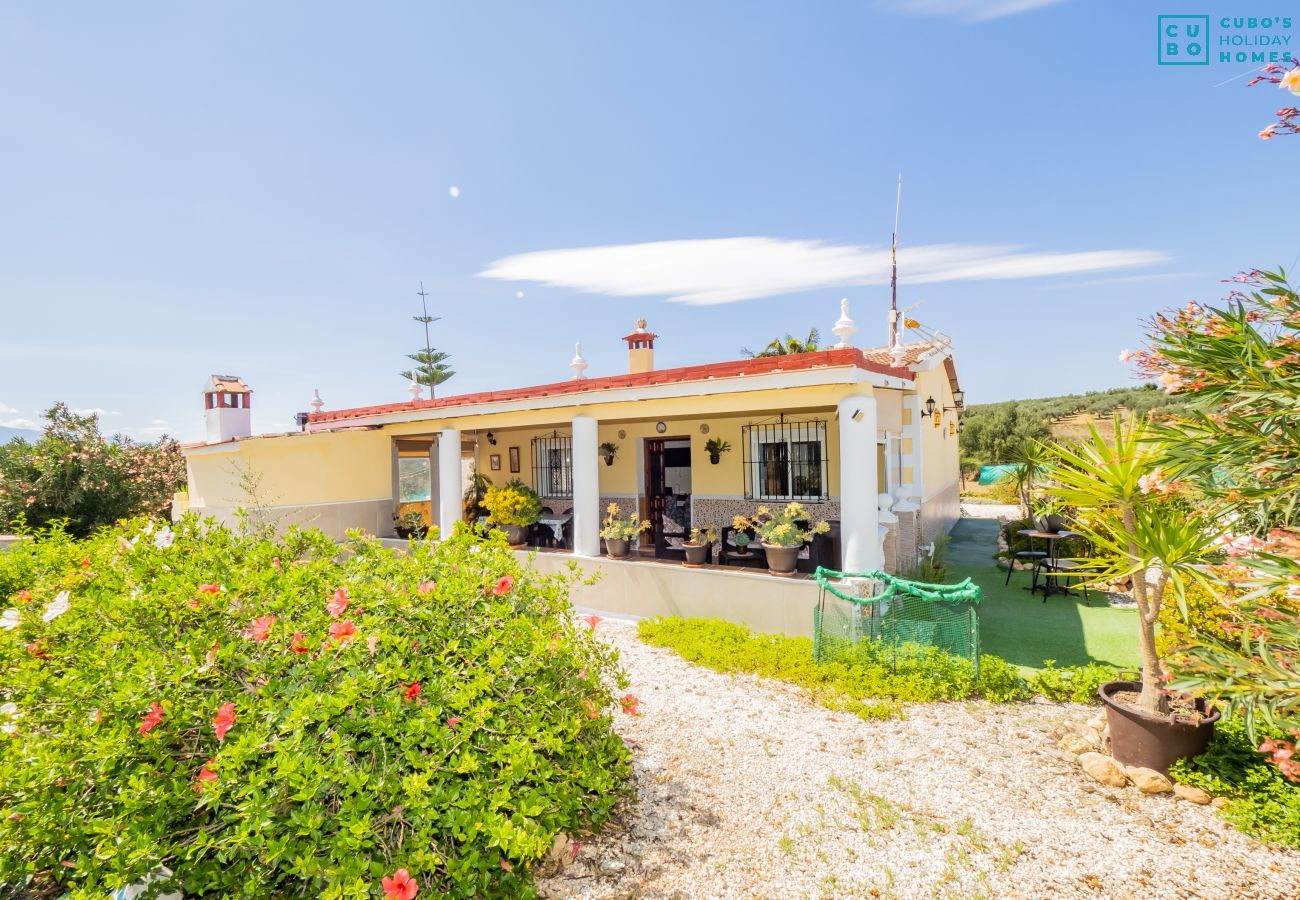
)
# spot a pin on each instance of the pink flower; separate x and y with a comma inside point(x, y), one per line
point(151, 718)
point(401, 886)
point(372, 643)
point(593, 621)
point(453, 722)
point(1170, 382)
point(299, 643)
point(1290, 82)
point(338, 604)
point(1154, 482)
point(260, 629)
point(427, 587)
point(205, 776)
point(593, 711)
point(343, 631)
point(630, 704)
point(24, 596)
point(225, 718)
point(213, 588)
point(1242, 544)
point(275, 563)
point(1125, 355)
point(503, 585)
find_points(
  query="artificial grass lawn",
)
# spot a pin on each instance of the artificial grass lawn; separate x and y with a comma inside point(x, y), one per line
point(1025, 631)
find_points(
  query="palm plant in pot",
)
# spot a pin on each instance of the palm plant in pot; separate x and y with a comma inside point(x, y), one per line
point(715, 447)
point(783, 534)
point(1143, 527)
point(619, 533)
point(700, 546)
point(514, 507)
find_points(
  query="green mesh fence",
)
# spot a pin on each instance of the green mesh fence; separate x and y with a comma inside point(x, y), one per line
point(891, 612)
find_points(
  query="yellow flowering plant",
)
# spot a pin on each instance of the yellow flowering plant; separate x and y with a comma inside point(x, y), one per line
point(702, 536)
point(787, 527)
point(620, 529)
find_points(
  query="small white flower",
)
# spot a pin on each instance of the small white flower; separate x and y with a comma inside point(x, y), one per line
point(148, 527)
point(10, 619)
point(164, 538)
point(58, 606)
point(9, 712)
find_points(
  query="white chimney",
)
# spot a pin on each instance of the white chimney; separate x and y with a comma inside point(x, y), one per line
point(227, 408)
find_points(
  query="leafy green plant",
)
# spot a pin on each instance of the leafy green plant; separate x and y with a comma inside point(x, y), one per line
point(1140, 525)
point(608, 451)
point(932, 567)
point(515, 503)
point(276, 718)
point(715, 447)
point(475, 492)
point(76, 475)
point(706, 535)
point(787, 345)
point(1072, 684)
point(852, 678)
point(782, 528)
point(615, 528)
point(1261, 802)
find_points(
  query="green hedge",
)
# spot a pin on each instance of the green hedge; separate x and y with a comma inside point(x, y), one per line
point(437, 711)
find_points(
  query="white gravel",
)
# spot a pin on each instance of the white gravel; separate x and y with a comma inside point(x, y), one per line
point(746, 789)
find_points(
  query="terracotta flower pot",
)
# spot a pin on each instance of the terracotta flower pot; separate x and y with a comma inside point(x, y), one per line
point(617, 549)
point(697, 554)
point(781, 560)
point(1153, 742)
point(517, 535)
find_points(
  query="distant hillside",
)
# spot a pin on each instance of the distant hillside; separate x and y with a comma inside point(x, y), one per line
point(991, 432)
point(8, 434)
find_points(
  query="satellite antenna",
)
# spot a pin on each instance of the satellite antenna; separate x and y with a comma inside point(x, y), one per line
point(893, 279)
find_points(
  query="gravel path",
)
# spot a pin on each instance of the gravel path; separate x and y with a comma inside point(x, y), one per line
point(747, 790)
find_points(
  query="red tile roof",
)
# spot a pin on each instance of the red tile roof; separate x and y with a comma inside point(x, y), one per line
point(761, 366)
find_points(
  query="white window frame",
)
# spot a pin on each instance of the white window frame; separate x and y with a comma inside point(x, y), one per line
point(787, 434)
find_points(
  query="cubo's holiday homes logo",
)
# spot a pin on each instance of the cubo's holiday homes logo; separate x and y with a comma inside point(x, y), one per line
point(1188, 40)
point(1183, 40)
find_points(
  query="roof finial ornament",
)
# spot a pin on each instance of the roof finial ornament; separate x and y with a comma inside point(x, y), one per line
point(578, 365)
point(845, 327)
point(640, 324)
point(416, 390)
point(317, 404)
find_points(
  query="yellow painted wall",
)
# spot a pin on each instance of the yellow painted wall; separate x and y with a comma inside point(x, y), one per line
point(330, 467)
point(940, 446)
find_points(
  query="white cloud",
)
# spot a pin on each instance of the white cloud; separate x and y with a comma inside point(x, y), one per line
point(727, 270)
point(96, 411)
point(20, 423)
point(971, 10)
point(5, 409)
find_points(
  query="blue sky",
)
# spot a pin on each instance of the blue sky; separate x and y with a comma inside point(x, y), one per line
point(259, 188)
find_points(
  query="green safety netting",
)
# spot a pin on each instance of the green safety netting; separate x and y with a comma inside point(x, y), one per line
point(890, 611)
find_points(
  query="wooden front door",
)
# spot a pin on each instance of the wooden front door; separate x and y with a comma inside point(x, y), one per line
point(664, 509)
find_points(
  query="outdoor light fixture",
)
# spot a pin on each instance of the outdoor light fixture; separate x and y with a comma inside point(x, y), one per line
point(929, 408)
point(491, 439)
point(857, 415)
point(959, 398)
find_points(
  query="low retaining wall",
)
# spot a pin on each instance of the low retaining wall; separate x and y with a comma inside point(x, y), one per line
point(760, 601)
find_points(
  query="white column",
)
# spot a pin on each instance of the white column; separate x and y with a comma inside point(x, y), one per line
point(586, 487)
point(448, 481)
point(859, 510)
point(916, 431)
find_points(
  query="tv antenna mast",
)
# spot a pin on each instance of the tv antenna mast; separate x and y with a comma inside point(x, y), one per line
point(893, 279)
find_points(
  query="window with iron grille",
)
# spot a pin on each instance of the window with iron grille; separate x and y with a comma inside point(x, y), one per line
point(785, 460)
point(553, 465)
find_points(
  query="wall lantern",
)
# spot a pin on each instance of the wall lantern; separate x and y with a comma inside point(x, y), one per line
point(491, 439)
point(929, 408)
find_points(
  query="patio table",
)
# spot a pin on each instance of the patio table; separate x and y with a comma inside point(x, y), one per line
point(1051, 537)
point(556, 522)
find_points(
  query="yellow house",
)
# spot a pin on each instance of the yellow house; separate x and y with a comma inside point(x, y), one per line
point(864, 439)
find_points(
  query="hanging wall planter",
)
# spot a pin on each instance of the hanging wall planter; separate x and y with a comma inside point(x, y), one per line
point(715, 447)
point(608, 451)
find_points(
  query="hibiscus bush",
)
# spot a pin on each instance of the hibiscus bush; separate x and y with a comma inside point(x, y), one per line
point(285, 717)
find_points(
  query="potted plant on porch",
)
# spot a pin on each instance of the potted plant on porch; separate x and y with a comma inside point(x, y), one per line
point(410, 524)
point(1144, 527)
point(700, 546)
point(715, 447)
point(514, 507)
point(620, 533)
point(783, 535)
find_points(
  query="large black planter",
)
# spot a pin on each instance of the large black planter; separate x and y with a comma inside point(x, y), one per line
point(697, 554)
point(1153, 742)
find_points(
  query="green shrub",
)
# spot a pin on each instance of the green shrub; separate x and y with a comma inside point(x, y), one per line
point(1261, 802)
point(76, 475)
point(1074, 684)
point(850, 679)
point(437, 711)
